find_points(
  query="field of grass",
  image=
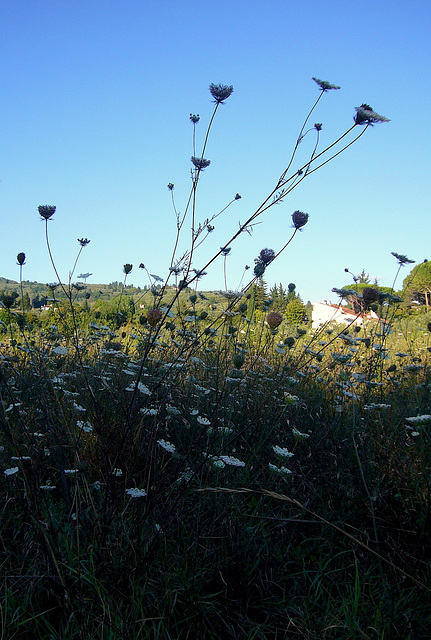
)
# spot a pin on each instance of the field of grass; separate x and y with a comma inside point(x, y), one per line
point(215, 477)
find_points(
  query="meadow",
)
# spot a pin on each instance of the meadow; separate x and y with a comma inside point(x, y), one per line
point(197, 470)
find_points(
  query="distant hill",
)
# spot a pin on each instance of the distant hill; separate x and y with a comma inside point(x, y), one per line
point(4, 281)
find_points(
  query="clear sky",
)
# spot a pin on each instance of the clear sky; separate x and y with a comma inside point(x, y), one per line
point(96, 97)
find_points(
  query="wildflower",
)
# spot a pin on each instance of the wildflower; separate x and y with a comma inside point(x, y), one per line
point(11, 471)
point(60, 351)
point(265, 257)
point(85, 426)
point(200, 163)
point(117, 472)
point(46, 211)
point(204, 421)
point(274, 319)
point(366, 115)
point(424, 419)
point(298, 435)
point(376, 406)
point(220, 92)
point(283, 471)
point(195, 119)
point(48, 487)
point(156, 278)
point(21, 259)
point(154, 316)
point(83, 241)
point(299, 219)
point(167, 446)
point(324, 85)
point(71, 472)
point(218, 463)
point(78, 407)
point(401, 258)
point(136, 493)
point(231, 461)
point(282, 452)
point(127, 268)
point(149, 412)
point(200, 273)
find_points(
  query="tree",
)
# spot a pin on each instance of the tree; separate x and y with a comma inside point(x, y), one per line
point(295, 311)
point(418, 283)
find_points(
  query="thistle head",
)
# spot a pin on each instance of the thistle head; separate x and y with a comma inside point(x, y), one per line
point(220, 92)
point(299, 219)
point(46, 211)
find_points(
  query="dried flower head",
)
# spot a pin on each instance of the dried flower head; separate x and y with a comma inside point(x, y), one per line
point(299, 219)
point(370, 295)
point(154, 316)
point(83, 241)
point(170, 186)
point(274, 319)
point(21, 259)
point(225, 251)
point(366, 115)
point(265, 257)
point(200, 163)
point(127, 268)
point(237, 196)
point(46, 211)
point(318, 126)
point(194, 118)
point(324, 85)
point(220, 92)
point(401, 258)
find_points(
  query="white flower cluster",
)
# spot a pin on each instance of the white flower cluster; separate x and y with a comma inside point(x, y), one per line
point(136, 493)
point(424, 419)
point(167, 446)
point(282, 452)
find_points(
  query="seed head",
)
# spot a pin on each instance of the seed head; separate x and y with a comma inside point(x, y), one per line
point(324, 85)
point(366, 115)
point(21, 259)
point(46, 211)
point(299, 219)
point(83, 241)
point(127, 268)
point(265, 257)
point(401, 258)
point(154, 316)
point(170, 186)
point(194, 118)
point(220, 92)
point(200, 163)
point(370, 295)
point(274, 319)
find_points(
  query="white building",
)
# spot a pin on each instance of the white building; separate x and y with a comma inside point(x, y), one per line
point(324, 312)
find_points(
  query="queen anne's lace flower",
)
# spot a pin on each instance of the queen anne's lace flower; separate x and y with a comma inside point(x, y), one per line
point(136, 493)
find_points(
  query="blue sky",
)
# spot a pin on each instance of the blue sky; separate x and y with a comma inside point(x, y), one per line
point(95, 120)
